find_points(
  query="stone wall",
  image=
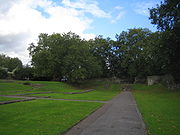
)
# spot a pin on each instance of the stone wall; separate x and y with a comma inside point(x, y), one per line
point(166, 80)
point(153, 79)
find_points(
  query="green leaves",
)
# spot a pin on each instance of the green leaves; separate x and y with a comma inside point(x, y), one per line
point(64, 56)
point(167, 18)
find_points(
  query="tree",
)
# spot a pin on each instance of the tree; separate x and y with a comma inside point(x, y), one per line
point(67, 56)
point(166, 15)
point(167, 18)
point(129, 50)
point(102, 49)
point(10, 63)
point(24, 73)
point(3, 73)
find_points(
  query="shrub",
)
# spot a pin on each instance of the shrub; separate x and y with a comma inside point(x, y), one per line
point(3, 73)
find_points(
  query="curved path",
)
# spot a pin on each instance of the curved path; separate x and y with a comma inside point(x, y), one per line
point(120, 116)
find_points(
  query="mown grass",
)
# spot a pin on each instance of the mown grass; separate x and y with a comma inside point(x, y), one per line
point(17, 87)
point(94, 95)
point(160, 108)
point(50, 117)
point(42, 117)
point(104, 90)
point(53, 86)
point(8, 99)
point(8, 88)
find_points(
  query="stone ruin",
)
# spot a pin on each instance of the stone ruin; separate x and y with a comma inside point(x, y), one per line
point(166, 80)
point(153, 79)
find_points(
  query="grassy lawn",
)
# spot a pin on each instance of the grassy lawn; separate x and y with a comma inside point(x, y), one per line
point(104, 91)
point(94, 95)
point(42, 117)
point(53, 86)
point(160, 108)
point(8, 99)
point(8, 88)
point(50, 117)
point(17, 87)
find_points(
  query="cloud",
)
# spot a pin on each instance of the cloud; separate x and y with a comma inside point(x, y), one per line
point(21, 22)
point(118, 17)
point(118, 7)
point(119, 13)
point(142, 7)
point(88, 6)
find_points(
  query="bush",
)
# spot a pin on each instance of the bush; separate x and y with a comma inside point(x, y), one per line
point(3, 73)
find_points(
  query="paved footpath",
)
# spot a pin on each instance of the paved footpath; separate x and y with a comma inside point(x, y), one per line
point(120, 116)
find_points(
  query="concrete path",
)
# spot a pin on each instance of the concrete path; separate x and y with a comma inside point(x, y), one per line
point(120, 116)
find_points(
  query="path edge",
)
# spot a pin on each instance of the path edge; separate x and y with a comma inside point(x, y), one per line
point(140, 115)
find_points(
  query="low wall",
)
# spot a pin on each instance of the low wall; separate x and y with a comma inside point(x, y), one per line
point(166, 80)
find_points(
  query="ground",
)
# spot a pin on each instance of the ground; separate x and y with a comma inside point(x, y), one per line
point(54, 107)
point(160, 108)
point(46, 116)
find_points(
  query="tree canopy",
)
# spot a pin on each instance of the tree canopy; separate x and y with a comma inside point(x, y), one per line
point(167, 18)
point(136, 52)
point(64, 56)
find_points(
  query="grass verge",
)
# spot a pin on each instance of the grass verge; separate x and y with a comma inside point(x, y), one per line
point(160, 108)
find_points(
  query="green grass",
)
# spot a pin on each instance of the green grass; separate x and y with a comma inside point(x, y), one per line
point(42, 117)
point(94, 95)
point(8, 99)
point(11, 88)
point(104, 90)
point(160, 108)
point(54, 86)
point(16, 87)
point(50, 117)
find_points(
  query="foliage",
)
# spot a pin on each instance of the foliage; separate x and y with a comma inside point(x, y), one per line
point(102, 49)
point(10, 63)
point(166, 15)
point(24, 73)
point(167, 18)
point(63, 56)
point(137, 53)
point(3, 73)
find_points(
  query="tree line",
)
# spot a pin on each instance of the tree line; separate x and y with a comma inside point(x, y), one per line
point(136, 52)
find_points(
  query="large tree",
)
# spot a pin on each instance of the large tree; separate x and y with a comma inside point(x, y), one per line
point(103, 50)
point(167, 18)
point(64, 56)
point(130, 52)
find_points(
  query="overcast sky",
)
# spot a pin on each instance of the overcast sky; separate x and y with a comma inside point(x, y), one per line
point(21, 21)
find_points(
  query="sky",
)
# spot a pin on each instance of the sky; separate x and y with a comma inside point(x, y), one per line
point(21, 21)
